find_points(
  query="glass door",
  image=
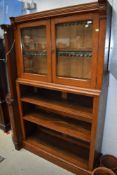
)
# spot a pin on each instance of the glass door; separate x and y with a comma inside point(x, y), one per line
point(75, 43)
point(35, 55)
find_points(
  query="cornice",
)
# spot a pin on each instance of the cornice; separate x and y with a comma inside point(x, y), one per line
point(82, 8)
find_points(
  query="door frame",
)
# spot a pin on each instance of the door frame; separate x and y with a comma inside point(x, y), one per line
point(73, 81)
point(19, 54)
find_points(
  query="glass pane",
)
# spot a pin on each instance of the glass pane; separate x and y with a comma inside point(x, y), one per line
point(34, 50)
point(74, 49)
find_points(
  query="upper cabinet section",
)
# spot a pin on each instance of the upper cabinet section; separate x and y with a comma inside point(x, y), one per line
point(63, 46)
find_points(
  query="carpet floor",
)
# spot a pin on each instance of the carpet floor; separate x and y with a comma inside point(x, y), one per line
point(24, 162)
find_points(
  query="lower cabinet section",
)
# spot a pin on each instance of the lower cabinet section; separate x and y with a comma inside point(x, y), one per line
point(58, 147)
point(59, 125)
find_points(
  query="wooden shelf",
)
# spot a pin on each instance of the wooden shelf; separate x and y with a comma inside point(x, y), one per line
point(61, 107)
point(35, 50)
point(69, 139)
point(79, 130)
point(72, 49)
point(52, 146)
point(35, 53)
point(59, 87)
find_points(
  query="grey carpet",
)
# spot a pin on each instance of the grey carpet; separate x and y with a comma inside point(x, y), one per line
point(1, 159)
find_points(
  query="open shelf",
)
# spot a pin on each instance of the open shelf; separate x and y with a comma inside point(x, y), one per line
point(65, 125)
point(52, 145)
point(60, 107)
point(67, 104)
point(76, 141)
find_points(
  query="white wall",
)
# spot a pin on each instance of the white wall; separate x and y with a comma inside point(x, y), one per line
point(51, 4)
point(110, 131)
point(113, 55)
point(109, 145)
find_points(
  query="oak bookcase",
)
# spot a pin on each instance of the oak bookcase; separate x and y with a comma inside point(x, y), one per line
point(62, 83)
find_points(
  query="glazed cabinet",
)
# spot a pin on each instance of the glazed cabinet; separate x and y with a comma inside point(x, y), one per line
point(62, 83)
point(61, 50)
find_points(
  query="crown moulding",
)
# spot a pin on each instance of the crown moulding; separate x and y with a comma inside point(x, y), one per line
point(99, 6)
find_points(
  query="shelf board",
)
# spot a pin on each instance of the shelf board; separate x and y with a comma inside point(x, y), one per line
point(78, 131)
point(69, 139)
point(74, 49)
point(58, 149)
point(60, 107)
point(60, 87)
point(35, 50)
